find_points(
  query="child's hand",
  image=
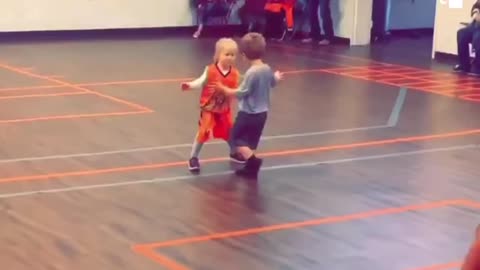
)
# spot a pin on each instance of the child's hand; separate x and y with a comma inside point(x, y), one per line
point(278, 75)
point(219, 86)
point(185, 86)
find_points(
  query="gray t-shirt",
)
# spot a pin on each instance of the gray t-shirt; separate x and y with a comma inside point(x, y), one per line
point(254, 91)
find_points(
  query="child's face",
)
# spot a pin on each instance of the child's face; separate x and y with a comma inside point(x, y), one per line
point(227, 57)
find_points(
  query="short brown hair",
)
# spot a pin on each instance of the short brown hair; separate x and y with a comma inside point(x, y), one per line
point(253, 45)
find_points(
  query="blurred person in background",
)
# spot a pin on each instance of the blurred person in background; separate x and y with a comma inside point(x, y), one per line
point(207, 9)
point(327, 24)
point(469, 34)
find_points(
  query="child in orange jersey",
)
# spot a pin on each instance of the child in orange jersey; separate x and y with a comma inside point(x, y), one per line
point(472, 261)
point(215, 107)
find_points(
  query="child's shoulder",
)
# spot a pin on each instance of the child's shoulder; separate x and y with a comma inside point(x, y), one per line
point(260, 69)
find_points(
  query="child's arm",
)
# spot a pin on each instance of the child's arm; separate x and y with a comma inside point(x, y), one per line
point(197, 83)
point(277, 76)
point(242, 90)
point(244, 87)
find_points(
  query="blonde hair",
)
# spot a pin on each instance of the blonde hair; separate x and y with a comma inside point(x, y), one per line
point(222, 45)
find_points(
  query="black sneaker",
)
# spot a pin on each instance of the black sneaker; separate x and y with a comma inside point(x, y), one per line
point(459, 68)
point(194, 164)
point(237, 158)
point(474, 71)
point(251, 169)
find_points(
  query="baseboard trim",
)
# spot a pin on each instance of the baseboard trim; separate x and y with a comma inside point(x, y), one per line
point(410, 32)
point(445, 57)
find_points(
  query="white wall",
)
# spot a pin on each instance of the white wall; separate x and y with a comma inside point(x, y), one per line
point(408, 14)
point(447, 23)
point(28, 15)
point(34, 15)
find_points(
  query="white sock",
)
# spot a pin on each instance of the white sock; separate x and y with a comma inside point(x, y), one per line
point(197, 146)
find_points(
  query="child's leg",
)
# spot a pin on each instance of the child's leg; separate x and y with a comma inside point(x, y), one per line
point(247, 141)
point(239, 135)
point(196, 147)
point(203, 134)
point(193, 162)
point(222, 130)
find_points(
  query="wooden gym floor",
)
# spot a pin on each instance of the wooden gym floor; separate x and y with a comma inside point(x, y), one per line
point(370, 161)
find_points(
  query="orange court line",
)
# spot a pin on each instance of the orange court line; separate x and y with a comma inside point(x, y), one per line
point(160, 259)
point(388, 66)
point(327, 70)
point(394, 84)
point(66, 84)
point(44, 95)
point(128, 82)
point(47, 176)
point(86, 84)
point(445, 266)
point(69, 116)
point(22, 88)
point(148, 249)
point(323, 52)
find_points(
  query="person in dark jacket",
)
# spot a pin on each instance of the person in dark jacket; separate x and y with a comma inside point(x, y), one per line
point(465, 36)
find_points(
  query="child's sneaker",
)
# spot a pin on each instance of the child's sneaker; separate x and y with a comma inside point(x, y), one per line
point(251, 169)
point(194, 165)
point(237, 158)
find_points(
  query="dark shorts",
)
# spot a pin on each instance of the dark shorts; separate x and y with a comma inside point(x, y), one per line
point(248, 129)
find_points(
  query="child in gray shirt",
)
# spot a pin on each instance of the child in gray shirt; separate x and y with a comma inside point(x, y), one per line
point(254, 103)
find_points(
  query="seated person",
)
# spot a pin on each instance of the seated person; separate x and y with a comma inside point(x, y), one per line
point(252, 14)
point(465, 36)
point(277, 13)
point(207, 9)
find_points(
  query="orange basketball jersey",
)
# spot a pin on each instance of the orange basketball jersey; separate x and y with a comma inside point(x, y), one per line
point(213, 100)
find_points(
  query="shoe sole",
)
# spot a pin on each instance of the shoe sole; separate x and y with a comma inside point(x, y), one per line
point(250, 175)
point(193, 169)
point(195, 172)
point(237, 161)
